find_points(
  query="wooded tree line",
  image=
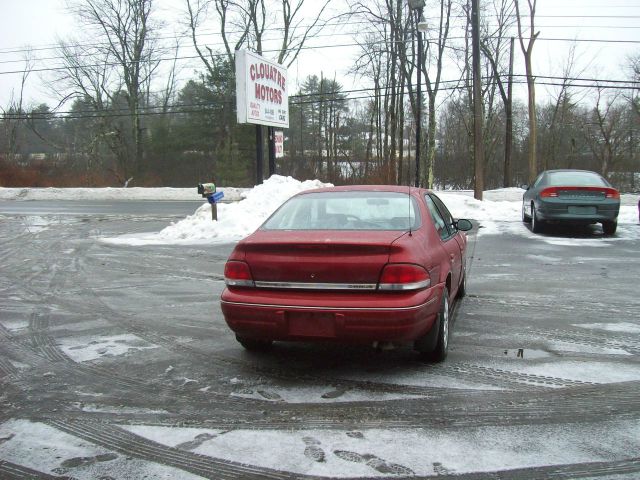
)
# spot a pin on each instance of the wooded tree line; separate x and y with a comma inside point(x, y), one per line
point(125, 120)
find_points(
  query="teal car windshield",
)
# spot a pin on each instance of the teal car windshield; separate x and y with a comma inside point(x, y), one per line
point(581, 179)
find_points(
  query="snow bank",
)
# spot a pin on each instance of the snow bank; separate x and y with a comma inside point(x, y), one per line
point(499, 212)
point(491, 214)
point(235, 220)
point(133, 193)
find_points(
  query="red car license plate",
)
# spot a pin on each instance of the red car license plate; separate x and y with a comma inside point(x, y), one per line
point(310, 324)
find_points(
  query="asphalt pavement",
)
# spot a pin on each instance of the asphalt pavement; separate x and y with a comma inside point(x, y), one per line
point(115, 362)
point(100, 207)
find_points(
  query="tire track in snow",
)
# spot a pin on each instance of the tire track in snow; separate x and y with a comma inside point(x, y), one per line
point(41, 341)
point(510, 379)
point(509, 376)
point(12, 471)
point(520, 408)
point(507, 379)
point(607, 339)
point(559, 472)
point(6, 368)
point(539, 305)
point(600, 339)
point(43, 346)
point(124, 442)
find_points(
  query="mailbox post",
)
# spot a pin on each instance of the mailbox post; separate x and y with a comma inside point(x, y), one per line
point(208, 191)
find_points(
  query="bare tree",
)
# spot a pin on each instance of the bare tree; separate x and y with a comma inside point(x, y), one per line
point(562, 103)
point(92, 84)
point(527, 50)
point(243, 23)
point(634, 64)
point(369, 64)
point(383, 60)
point(494, 48)
point(635, 116)
point(13, 116)
point(434, 56)
point(123, 58)
point(605, 133)
point(198, 14)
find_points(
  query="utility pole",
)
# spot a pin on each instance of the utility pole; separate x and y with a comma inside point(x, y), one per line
point(419, 104)
point(508, 140)
point(478, 153)
point(632, 153)
point(420, 26)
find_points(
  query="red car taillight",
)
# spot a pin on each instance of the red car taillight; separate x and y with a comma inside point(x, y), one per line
point(403, 276)
point(612, 193)
point(237, 274)
point(549, 192)
point(552, 192)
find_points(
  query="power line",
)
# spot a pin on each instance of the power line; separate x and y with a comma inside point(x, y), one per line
point(303, 99)
point(309, 47)
point(332, 35)
point(336, 24)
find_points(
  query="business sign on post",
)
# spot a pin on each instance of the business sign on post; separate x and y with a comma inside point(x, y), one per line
point(279, 142)
point(261, 91)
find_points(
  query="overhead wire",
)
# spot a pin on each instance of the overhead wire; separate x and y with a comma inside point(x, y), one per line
point(187, 35)
point(188, 43)
point(301, 99)
point(308, 47)
point(595, 83)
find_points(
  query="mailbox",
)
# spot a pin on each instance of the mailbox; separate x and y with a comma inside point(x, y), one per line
point(208, 191)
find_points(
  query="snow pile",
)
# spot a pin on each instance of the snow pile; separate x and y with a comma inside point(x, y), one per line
point(500, 212)
point(235, 220)
point(493, 215)
point(109, 193)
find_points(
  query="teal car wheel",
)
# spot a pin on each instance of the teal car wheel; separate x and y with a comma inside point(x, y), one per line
point(609, 228)
point(536, 224)
point(525, 218)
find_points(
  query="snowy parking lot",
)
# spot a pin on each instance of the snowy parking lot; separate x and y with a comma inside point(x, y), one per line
point(116, 363)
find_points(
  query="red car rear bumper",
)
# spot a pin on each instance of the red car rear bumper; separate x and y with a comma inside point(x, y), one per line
point(345, 317)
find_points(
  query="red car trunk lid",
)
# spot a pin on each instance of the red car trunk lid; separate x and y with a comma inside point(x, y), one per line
point(327, 257)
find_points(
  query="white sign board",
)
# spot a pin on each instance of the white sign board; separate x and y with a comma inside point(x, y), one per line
point(261, 91)
point(279, 142)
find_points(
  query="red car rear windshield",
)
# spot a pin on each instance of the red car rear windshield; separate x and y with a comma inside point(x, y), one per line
point(357, 210)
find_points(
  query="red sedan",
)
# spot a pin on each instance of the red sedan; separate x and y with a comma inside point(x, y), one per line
point(364, 264)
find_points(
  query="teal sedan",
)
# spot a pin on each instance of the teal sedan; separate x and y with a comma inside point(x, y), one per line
point(571, 196)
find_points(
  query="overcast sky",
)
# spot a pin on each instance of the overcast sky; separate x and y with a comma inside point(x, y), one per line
point(39, 23)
